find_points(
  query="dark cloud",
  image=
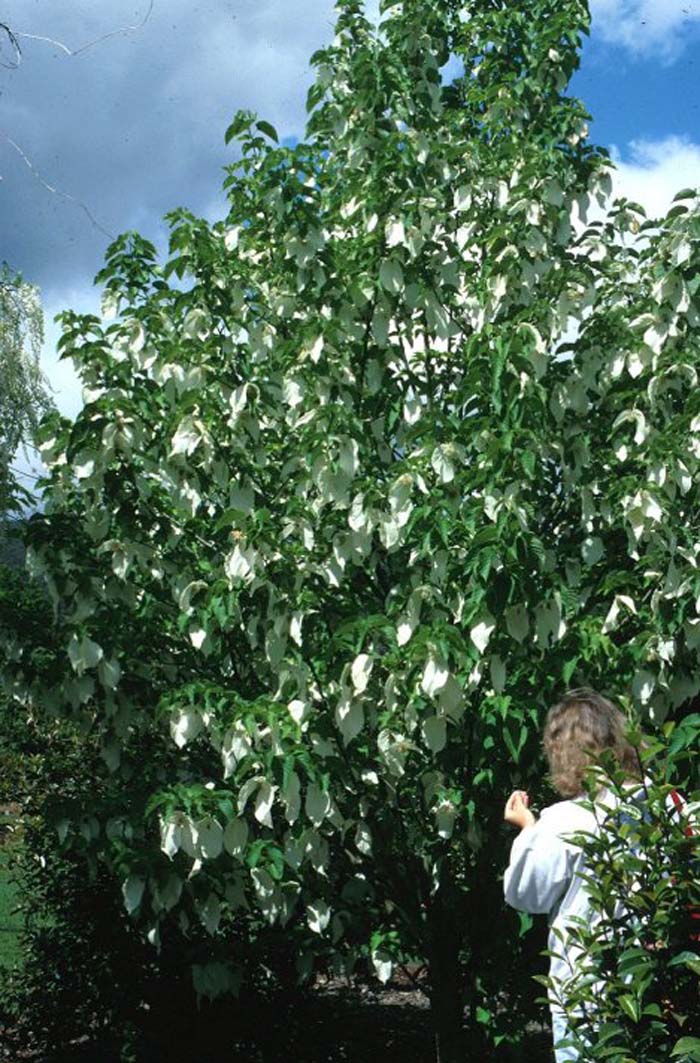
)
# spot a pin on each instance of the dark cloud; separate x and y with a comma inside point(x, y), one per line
point(134, 125)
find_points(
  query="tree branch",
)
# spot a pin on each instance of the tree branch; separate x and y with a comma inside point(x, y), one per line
point(56, 191)
point(12, 38)
point(83, 47)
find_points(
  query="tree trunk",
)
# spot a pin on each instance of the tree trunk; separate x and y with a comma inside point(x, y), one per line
point(446, 996)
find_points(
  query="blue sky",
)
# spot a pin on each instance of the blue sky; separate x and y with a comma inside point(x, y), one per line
point(133, 125)
point(634, 93)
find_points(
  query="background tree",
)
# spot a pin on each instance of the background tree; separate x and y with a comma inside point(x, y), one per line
point(24, 397)
point(341, 514)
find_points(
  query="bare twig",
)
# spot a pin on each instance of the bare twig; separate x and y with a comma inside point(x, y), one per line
point(27, 475)
point(13, 37)
point(11, 64)
point(56, 191)
point(415, 978)
point(90, 44)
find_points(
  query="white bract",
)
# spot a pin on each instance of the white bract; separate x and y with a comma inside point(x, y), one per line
point(264, 800)
point(383, 965)
point(360, 672)
point(185, 725)
point(171, 835)
point(350, 718)
point(210, 913)
point(84, 653)
point(132, 889)
point(363, 839)
point(318, 916)
point(481, 633)
point(517, 622)
point(446, 816)
point(187, 438)
point(435, 675)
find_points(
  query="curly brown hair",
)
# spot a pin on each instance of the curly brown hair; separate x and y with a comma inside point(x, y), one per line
point(581, 726)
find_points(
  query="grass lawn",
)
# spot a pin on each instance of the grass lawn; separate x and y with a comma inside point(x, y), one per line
point(10, 918)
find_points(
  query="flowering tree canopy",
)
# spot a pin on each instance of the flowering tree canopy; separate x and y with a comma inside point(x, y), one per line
point(366, 473)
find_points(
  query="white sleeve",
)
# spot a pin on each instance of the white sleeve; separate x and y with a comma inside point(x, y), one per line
point(540, 870)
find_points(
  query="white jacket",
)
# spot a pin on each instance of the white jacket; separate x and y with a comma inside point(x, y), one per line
point(544, 873)
point(543, 878)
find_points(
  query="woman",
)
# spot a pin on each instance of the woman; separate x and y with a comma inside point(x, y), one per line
point(544, 873)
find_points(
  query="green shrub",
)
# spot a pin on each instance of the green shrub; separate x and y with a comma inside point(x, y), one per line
point(24, 611)
point(85, 966)
point(635, 994)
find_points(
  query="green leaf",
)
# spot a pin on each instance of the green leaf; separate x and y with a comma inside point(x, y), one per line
point(630, 1007)
point(569, 669)
point(513, 744)
point(487, 534)
point(255, 852)
point(526, 923)
point(687, 959)
point(242, 121)
point(688, 1047)
point(268, 129)
point(528, 462)
point(633, 959)
point(276, 862)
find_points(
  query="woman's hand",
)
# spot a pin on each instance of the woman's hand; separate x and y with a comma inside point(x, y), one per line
point(517, 811)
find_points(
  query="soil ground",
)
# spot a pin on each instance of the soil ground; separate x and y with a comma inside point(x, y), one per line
point(334, 1024)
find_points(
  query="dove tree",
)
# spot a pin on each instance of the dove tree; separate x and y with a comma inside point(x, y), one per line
point(366, 473)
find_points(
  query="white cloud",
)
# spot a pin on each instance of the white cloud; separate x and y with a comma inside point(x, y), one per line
point(652, 171)
point(649, 27)
point(257, 60)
